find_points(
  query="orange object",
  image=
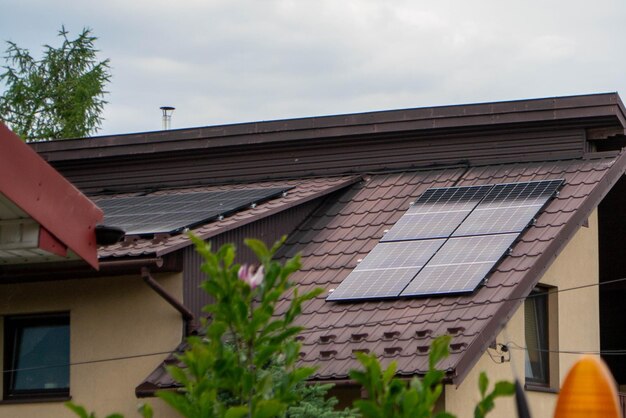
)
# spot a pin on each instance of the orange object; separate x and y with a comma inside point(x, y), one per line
point(589, 391)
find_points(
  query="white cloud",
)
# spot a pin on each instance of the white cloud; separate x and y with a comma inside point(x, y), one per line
point(232, 60)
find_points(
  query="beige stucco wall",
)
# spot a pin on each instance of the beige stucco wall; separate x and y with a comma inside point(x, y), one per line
point(109, 317)
point(578, 329)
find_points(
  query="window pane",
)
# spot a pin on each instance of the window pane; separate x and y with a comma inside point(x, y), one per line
point(41, 358)
point(536, 333)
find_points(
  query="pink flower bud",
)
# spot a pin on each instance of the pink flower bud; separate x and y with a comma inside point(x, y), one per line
point(249, 275)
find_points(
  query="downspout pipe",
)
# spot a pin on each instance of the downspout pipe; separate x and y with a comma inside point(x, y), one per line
point(187, 315)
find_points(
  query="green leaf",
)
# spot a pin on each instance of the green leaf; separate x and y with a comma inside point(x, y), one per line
point(259, 248)
point(217, 329)
point(483, 382)
point(368, 409)
point(177, 374)
point(390, 372)
point(78, 410)
point(269, 409)
point(145, 410)
point(229, 255)
point(278, 244)
point(176, 401)
point(444, 415)
point(302, 373)
point(504, 388)
point(236, 412)
point(439, 350)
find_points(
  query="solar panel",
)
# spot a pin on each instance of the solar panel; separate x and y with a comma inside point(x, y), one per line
point(460, 265)
point(508, 208)
point(386, 270)
point(437, 213)
point(143, 215)
point(448, 241)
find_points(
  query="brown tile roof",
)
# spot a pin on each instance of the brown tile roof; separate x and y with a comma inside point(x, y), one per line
point(302, 191)
point(340, 234)
point(346, 229)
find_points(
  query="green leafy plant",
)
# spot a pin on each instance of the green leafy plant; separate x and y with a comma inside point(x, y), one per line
point(60, 95)
point(390, 397)
point(487, 400)
point(145, 410)
point(242, 339)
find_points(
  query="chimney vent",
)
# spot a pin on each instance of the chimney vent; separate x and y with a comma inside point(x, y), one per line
point(167, 116)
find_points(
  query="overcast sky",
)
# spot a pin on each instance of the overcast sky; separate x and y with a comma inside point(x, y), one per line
point(237, 61)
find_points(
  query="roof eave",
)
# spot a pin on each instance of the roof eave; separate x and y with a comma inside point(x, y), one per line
point(595, 110)
point(47, 197)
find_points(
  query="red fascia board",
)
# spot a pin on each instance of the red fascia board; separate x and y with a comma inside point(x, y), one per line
point(49, 243)
point(46, 196)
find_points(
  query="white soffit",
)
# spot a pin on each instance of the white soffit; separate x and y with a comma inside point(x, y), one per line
point(20, 237)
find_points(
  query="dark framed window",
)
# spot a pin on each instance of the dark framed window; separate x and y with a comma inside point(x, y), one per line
point(37, 356)
point(537, 333)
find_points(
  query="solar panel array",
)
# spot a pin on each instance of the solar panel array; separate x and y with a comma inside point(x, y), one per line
point(147, 215)
point(448, 241)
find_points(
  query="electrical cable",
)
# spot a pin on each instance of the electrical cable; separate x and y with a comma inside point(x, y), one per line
point(471, 305)
point(78, 363)
point(513, 345)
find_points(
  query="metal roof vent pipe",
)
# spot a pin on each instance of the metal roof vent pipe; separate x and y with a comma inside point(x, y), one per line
point(167, 116)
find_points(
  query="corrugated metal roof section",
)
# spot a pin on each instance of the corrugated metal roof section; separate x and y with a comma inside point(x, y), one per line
point(268, 229)
point(303, 191)
point(346, 228)
point(344, 231)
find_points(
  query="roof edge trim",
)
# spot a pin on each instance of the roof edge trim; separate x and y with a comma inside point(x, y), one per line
point(39, 190)
point(602, 106)
point(536, 272)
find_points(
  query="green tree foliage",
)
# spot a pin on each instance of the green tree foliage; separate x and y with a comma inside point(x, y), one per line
point(58, 96)
point(390, 397)
point(315, 403)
